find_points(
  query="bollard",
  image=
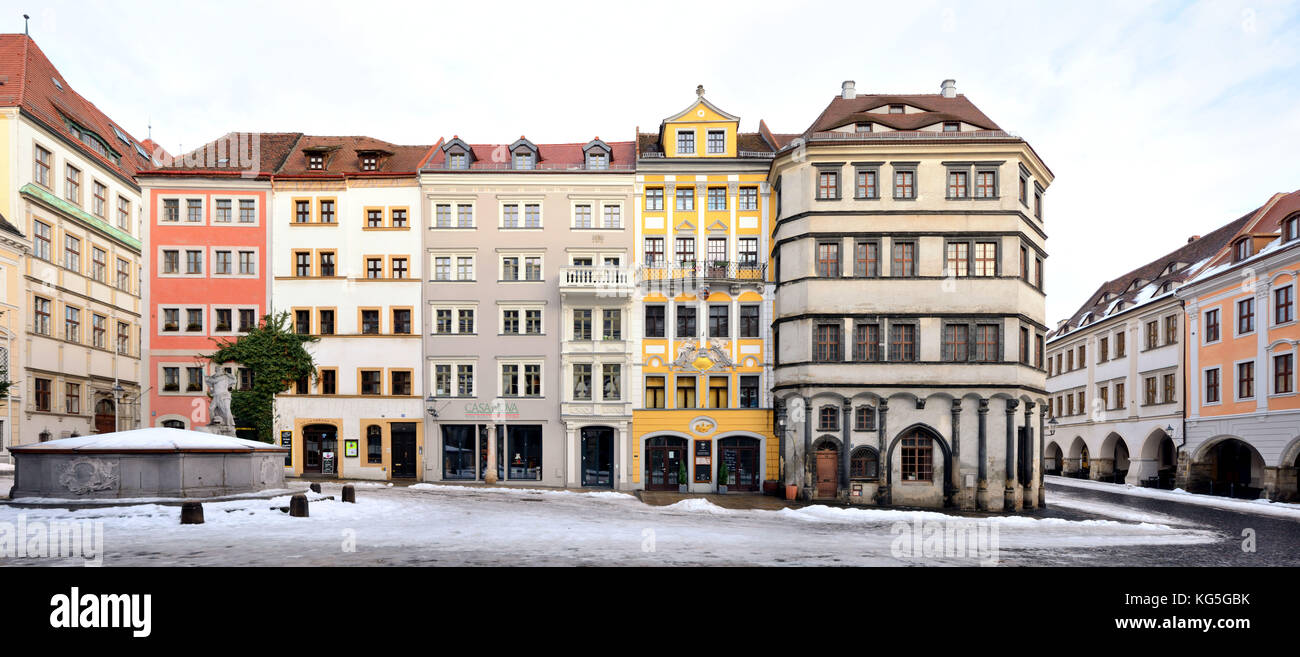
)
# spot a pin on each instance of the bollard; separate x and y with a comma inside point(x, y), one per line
point(315, 488)
point(191, 513)
point(298, 506)
point(350, 494)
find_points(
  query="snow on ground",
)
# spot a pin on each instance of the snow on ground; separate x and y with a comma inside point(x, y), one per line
point(1261, 506)
point(461, 525)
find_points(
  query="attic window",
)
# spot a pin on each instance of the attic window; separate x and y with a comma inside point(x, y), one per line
point(951, 126)
point(456, 160)
point(862, 127)
point(896, 109)
point(1241, 250)
point(523, 160)
point(57, 83)
point(316, 162)
point(597, 160)
point(1291, 229)
point(369, 162)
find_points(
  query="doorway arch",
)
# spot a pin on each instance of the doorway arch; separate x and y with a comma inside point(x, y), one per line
point(665, 457)
point(320, 449)
point(741, 454)
point(917, 439)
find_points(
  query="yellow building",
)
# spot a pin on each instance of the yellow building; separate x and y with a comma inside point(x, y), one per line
point(703, 304)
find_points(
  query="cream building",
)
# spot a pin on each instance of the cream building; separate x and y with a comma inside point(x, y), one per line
point(68, 186)
point(908, 245)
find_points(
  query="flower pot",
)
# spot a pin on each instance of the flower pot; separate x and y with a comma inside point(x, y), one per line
point(722, 490)
point(682, 488)
point(791, 492)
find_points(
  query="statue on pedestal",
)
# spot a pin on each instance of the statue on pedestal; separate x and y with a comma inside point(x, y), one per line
point(220, 419)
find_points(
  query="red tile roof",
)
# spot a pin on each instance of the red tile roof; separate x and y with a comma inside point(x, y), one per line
point(489, 157)
point(32, 83)
point(229, 155)
point(343, 157)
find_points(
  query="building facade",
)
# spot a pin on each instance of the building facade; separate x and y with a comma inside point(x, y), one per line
point(1116, 368)
point(526, 302)
point(346, 265)
point(68, 185)
point(1243, 411)
point(703, 302)
point(206, 238)
point(908, 245)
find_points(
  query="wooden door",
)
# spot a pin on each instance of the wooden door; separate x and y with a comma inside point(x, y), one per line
point(828, 473)
point(404, 451)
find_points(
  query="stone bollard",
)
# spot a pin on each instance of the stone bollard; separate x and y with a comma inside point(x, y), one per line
point(315, 488)
point(298, 506)
point(350, 494)
point(191, 513)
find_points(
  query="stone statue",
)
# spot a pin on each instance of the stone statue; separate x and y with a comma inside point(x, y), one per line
point(684, 353)
point(718, 354)
point(219, 415)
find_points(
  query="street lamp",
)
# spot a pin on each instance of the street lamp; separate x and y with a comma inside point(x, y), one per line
point(1051, 427)
point(429, 401)
point(117, 405)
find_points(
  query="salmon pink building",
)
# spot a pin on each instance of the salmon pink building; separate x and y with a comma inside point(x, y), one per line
point(206, 265)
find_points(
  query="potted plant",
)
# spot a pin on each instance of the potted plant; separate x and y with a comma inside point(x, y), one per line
point(723, 476)
point(682, 486)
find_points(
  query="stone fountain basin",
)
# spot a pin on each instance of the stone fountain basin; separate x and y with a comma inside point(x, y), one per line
point(146, 463)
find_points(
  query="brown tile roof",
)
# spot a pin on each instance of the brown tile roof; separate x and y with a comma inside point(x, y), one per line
point(1195, 256)
point(343, 156)
point(32, 83)
point(228, 155)
point(841, 112)
point(490, 157)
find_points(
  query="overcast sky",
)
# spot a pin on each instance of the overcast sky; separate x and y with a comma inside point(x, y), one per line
point(1160, 120)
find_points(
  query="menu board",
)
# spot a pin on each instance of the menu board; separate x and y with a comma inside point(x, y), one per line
point(729, 457)
point(703, 461)
point(286, 441)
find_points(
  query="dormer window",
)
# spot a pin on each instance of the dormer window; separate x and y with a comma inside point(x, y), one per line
point(523, 160)
point(1291, 229)
point(717, 142)
point(369, 162)
point(456, 160)
point(597, 160)
point(1241, 249)
point(685, 142)
point(316, 162)
point(951, 126)
point(897, 109)
point(862, 127)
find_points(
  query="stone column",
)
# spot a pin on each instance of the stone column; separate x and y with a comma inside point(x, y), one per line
point(882, 467)
point(955, 475)
point(845, 437)
point(1009, 483)
point(809, 476)
point(1028, 483)
point(982, 494)
point(490, 472)
point(1042, 488)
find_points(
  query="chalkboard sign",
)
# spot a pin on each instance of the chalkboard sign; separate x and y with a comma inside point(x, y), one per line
point(327, 463)
point(703, 461)
point(729, 457)
point(286, 440)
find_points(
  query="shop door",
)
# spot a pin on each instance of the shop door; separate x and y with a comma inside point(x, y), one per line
point(663, 461)
point(319, 445)
point(404, 451)
point(741, 457)
point(828, 473)
point(598, 457)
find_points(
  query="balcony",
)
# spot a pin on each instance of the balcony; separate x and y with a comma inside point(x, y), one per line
point(601, 281)
point(706, 272)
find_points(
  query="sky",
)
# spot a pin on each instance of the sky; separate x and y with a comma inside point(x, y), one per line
point(1160, 120)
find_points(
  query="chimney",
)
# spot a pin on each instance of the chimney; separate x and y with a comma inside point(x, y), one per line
point(948, 89)
point(1193, 238)
point(848, 91)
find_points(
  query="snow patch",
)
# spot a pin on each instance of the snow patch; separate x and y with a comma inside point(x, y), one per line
point(1260, 506)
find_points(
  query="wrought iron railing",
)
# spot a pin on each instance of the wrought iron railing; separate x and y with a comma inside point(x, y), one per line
point(707, 270)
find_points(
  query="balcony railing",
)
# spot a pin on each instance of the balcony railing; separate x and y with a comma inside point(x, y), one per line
point(596, 278)
point(540, 166)
point(709, 271)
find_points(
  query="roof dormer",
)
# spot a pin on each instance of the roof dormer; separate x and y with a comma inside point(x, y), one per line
point(318, 157)
point(523, 154)
point(457, 154)
point(700, 130)
point(597, 155)
point(372, 159)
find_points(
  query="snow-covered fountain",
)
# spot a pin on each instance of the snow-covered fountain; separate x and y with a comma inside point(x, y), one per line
point(153, 463)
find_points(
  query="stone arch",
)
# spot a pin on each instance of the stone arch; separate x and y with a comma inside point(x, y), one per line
point(1157, 459)
point(170, 420)
point(1227, 465)
point(1291, 454)
point(948, 490)
point(1113, 459)
point(1078, 460)
point(827, 441)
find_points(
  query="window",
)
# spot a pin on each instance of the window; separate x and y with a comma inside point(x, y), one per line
point(247, 264)
point(1241, 249)
point(654, 199)
point(193, 262)
point(685, 392)
point(958, 186)
point(582, 216)
point(327, 211)
point(828, 185)
point(99, 331)
point(686, 199)
point(654, 251)
point(749, 393)
point(402, 321)
point(611, 380)
point(952, 126)
point(612, 216)
point(866, 187)
point(1038, 203)
point(71, 324)
point(171, 319)
point(194, 210)
point(1024, 191)
point(525, 451)
point(1169, 388)
point(302, 212)
point(904, 261)
point(72, 253)
point(1245, 316)
point(719, 321)
point(458, 161)
point(523, 160)
point(904, 185)
point(374, 218)
point(828, 418)
point(956, 342)
point(719, 392)
point(1119, 395)
point(916, 457)
point(224, 211)
point(828, 344)
point(597, 160)
point(72, 184)
point(374, 267)
point(42, 244)
point(862, 127)
point(1283, 305)
point(958, 259)
point(1171, 329)
point(222, 264)
point(41, 167)
point(654, 392)
point(1283, 374)
point(864, 419)
point(746, 251)
point(533, 322)
point(902, 342)
point(370, 322)
point(1103, 349)
point(866, 343)
point(612, 324)
point(654, 322)
point(748, 199)
point(1153, 334)
point(42, 387)
point(372, 382)
point(582, 381)
point(248, 320)
point(99, 264)
point(1245, 380)
point(685, 142)
point(717, 141)
point(686, 321)
point(194, 320)
point(72, 398)
point(315, 162)
point(1211, 326)
point(224, 320)
point(986, 184)
point(717, 198)
point(123, 338)
point(374, 444)
point(194, 379)
point(247, 211)
point(828, 259)
point(582, 324)
point(864, 463)
point(749, 321)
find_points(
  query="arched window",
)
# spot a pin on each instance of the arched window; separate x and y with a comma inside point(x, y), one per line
point(173, 424)
point(864, 464)
point(374, 444)
point(828, 418)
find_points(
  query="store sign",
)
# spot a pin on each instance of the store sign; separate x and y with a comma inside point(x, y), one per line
point(327, 463)
point(703, 461)
point(351, 447)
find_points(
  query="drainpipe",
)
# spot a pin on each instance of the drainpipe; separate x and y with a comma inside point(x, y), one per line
point(808, 478)
point(844, 439)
